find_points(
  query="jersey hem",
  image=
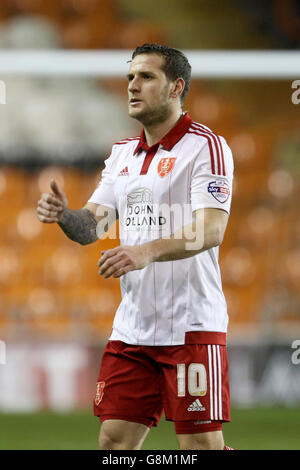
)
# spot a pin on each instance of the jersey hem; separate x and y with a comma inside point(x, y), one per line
point(191, 337)
point(196, 206)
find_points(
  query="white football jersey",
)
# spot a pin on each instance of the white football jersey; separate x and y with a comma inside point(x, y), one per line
point(155, 191)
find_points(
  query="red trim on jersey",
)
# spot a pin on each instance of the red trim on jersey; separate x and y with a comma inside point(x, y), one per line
point(222, 155)
point(212, 160)
point(126, 141)
point(171, 138)
point(218, 145)
point(221, 148)
point(200, 128)
point(172, 263)
point(154, 286)
point(148, 158)
point(205, 337)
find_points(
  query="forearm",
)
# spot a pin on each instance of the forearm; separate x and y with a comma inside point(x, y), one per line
point(170, 249)
point(79, 225)
point(206, 231)
point(189, 241)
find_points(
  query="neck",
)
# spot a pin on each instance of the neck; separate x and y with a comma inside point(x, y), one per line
point(154, 132)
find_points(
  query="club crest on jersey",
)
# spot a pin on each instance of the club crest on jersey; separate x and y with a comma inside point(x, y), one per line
point(165, 166)
point(219, 189)
point(99, 392)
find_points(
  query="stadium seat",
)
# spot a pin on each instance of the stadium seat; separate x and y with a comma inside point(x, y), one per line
point(138, 31)
point(13, 186)
point(50, 284)
point(250, 186)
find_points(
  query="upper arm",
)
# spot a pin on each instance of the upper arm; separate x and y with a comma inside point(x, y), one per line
point(102, 212)
point(213, 222)
point(211, 183)
point(103, 195)
point(104, 216)
point(211, 190)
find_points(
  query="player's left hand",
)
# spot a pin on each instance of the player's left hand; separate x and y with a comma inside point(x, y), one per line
point(122, 259)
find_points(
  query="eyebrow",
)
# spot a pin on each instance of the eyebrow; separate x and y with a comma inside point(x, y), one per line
point(143, 72)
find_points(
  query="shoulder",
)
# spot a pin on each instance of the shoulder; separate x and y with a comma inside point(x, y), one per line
point(212, 147)
point(205, 134)
point(118, 149)
point(130, 141)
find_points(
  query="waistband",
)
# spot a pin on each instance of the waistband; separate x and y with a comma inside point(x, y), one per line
point(205, 337)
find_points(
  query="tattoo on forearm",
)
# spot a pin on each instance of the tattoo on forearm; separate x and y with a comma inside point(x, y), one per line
point(79, 225)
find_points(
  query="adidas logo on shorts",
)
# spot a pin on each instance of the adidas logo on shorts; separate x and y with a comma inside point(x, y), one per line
point(196, 406)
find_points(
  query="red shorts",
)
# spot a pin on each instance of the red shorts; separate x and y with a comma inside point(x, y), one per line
point(189, 383)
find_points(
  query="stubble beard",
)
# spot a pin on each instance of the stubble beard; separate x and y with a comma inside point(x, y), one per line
point(149, 118)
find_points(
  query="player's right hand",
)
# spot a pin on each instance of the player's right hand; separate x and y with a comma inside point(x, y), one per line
point(51, 206)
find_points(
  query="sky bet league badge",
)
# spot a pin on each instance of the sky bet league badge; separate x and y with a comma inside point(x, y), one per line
point(219, 189)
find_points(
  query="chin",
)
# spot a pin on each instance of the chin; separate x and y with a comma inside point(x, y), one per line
point(135, 114)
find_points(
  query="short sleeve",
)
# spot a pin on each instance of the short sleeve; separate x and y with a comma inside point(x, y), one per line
point(212, 177)
point(104, 193)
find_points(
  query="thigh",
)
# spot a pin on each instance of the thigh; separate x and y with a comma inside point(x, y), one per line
point(128, 386)
point(117, 434)
point(196, 386)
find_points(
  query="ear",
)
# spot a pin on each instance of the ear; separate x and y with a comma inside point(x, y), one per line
point(177, 88)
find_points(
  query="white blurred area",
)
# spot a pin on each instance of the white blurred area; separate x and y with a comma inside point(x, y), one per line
point(44, 376)
point(57, 119)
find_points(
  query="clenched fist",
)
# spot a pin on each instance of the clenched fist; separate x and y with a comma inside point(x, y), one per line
point(52, 205)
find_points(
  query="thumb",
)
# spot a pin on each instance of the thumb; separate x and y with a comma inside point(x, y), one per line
point(55, 188)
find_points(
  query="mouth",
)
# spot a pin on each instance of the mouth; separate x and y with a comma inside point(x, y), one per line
point(134, 101)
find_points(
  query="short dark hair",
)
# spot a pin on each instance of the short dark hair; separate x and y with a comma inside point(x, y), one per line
point(176, 64)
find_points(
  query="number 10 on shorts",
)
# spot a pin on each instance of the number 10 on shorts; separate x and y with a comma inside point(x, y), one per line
point(197, 380)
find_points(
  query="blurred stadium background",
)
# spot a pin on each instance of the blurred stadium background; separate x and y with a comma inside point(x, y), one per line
point(55, 311)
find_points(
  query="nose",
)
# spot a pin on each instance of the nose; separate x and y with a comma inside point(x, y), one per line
point(134, 85)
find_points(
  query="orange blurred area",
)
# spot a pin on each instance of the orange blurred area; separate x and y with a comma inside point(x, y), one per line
point(86, 24)
point(50, 285)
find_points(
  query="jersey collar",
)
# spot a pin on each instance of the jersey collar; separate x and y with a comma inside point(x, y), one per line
point(170, 139)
